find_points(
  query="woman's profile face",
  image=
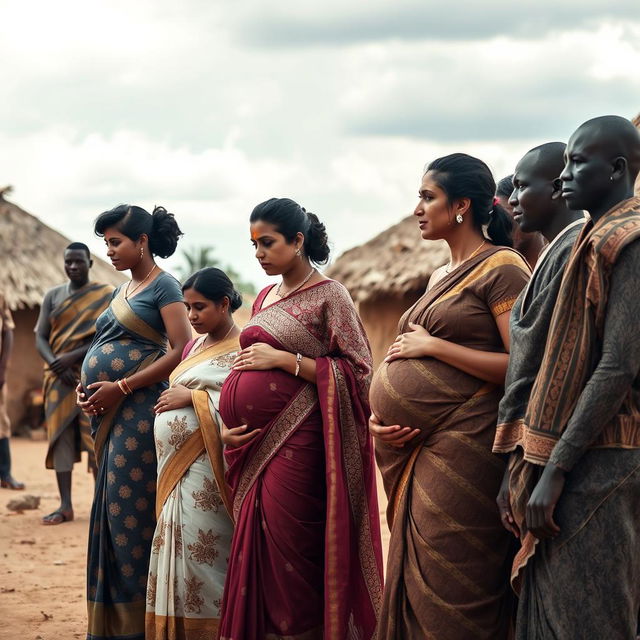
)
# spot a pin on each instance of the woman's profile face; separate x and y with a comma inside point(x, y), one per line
point(205, 315)
point(434, 213)
point(123, 252)
point(272, 250)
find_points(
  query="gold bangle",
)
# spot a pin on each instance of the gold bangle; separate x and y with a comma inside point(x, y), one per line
point(125, 384)
point(124, 387)
point(298, 361)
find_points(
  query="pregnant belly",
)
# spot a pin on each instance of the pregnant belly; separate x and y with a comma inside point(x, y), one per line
point(100, 367)
point(254, 398)
point(415, 392)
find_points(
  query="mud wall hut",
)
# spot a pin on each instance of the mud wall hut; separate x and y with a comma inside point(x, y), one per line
point(31, 263)
point(386, 275)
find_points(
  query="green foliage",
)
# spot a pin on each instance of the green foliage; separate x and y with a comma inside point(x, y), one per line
point(196, 258)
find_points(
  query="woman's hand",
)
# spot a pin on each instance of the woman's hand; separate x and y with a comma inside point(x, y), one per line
point(504, 506)
point(543, 501)
point(258, 357)
point(105, 397)
point(236, 437)
point(417, 343)
point(81, 400)
point(173, 398)
point(393, 435)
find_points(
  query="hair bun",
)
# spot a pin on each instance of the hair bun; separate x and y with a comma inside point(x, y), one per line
point(316, 243)
point(235, 301)
point(165, 233)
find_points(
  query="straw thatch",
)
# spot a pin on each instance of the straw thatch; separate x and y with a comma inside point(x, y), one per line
point(32, 257)
point(396, 262)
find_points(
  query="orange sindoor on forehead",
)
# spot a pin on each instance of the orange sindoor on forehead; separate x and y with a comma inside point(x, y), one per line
point(254, 236)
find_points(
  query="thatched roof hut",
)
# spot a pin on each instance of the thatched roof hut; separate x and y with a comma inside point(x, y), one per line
point(386, 275)
point(393, 263)
point(32, 257)
point(31, 264)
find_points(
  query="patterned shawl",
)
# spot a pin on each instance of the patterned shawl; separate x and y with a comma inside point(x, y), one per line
point(577, 324)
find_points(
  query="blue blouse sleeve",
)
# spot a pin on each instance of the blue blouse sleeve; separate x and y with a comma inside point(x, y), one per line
point(167, 290)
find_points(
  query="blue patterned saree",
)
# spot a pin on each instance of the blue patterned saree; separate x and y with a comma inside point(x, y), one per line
point(130, 336)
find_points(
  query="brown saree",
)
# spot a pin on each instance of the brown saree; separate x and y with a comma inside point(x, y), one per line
point(449, 556)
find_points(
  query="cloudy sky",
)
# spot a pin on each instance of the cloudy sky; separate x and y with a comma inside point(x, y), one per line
point(211, 106)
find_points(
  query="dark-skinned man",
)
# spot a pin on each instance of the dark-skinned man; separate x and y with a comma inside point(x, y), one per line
point(529, 243)
point(537, 206)
point(579, 481)
point(64, 330)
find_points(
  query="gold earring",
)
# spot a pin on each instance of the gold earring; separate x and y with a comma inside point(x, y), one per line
point(141, 252)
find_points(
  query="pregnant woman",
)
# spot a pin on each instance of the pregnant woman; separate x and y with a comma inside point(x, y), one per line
point(190, 548)
point(438, 392)
point(305, 558)
point(123, 373)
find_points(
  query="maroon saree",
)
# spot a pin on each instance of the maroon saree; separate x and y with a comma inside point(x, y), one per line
point(305, 559)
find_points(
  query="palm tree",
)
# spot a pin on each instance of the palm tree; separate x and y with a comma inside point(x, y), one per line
point(196, 258)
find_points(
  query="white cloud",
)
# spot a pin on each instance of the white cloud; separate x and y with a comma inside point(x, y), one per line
point(193, 106)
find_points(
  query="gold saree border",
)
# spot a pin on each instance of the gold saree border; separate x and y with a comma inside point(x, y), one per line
point(331, 536)
point(222, 348)
point(180, 628)
point(212, 442)
point(120, 619)
point(205, 438)
point(130, 320)
point(497, 259)
point(354, 473)
point(179, 464)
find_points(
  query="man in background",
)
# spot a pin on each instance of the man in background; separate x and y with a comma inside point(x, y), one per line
point(64, 331)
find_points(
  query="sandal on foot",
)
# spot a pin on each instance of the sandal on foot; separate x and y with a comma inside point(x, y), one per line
point(57, 517)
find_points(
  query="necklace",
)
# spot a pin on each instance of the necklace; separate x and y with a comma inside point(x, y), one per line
point(447, 269)
point(128, 293)
point(313, 270)
point(200, 347)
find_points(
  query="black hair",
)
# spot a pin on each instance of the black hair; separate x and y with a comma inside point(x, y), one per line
point(160, 226)
point(504, 188)
point(214, 284)
point(289, 218)
point(79, 246)
point(463, 176)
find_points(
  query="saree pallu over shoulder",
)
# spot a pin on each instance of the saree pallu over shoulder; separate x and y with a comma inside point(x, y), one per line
point(132, 322)
point(190, 548)
point(205, 439)
point(577, 323)
point(133, 325)
point(332, 566)
point(447, 569)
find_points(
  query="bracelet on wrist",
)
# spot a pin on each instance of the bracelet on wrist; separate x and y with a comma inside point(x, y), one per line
point(124, 387)
point(298, 361)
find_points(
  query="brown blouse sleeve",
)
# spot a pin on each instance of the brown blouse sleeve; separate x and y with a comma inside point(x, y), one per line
point(504, 281)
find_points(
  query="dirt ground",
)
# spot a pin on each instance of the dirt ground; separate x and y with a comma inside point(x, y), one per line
point(42, 569)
